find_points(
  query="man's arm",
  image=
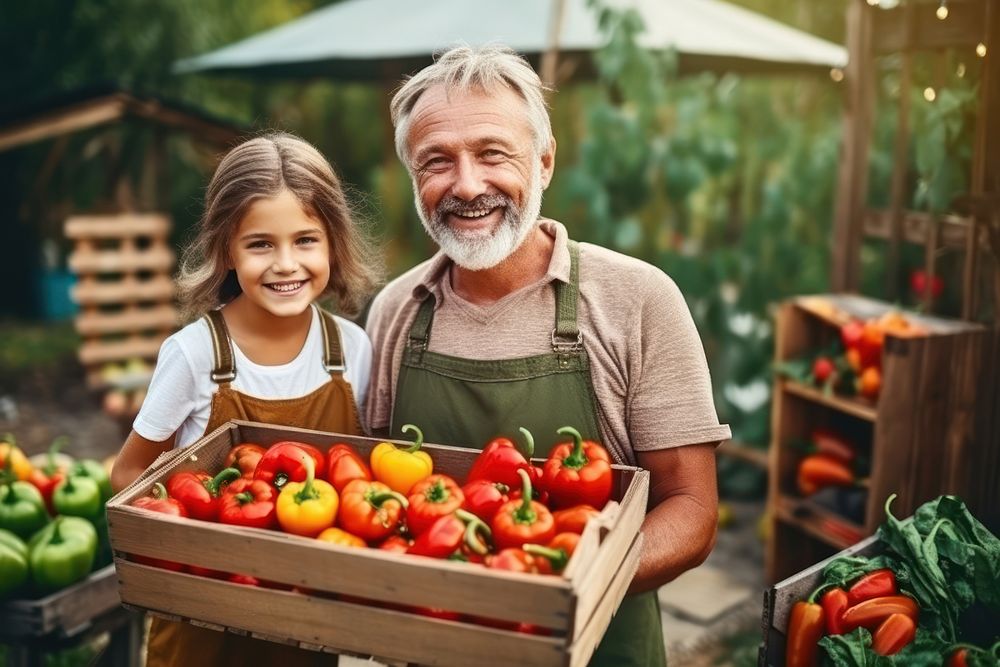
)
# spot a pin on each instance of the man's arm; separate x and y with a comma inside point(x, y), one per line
point(680, 525)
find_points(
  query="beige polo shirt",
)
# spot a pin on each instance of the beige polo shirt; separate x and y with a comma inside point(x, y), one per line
point(647, 362)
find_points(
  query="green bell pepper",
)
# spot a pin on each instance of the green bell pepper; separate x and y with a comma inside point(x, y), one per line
point(13, 562)
point(78, 496)
point(94, 470)
point(62, 553)
point(22, 508)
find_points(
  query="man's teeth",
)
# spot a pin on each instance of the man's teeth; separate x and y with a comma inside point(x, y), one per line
point(475, 214)
point(285, 287)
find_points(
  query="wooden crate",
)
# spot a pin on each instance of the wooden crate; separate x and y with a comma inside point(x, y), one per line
point(62, 613)
point(576, 606)
point(926, 435)
point(778, 601)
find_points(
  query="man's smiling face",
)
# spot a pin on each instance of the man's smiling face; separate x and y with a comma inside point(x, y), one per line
point(477, 177)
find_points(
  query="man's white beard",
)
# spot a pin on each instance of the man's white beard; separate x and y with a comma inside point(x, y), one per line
point(478, 250)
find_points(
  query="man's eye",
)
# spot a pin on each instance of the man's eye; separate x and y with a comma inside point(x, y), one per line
point(435, 163)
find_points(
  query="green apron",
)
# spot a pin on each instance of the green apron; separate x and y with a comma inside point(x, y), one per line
point(469, 402)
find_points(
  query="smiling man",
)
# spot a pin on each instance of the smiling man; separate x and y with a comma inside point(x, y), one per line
point(512, 324)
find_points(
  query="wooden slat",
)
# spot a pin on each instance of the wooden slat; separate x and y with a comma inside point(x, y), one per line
point(964, 27)
point(157, 259)
point(100, 351)
point(855, 407)
point(917, 226)
point(316, 621)
point(755, 456)
point(162, 317)
point(160, 288)
point(64, 610)
point(124, 225)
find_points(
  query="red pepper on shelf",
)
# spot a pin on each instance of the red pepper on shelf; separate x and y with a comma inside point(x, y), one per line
point(831, 443)
point(282, 463)
point(343, 465)
point(577, 473)
point(522, 521)
point(484, 497)
point(199, 492)
point(46, 478)
point(875, 584)
point(573, 519)
point(834, 603)
point(893, 634)
point(161, 502)
point(440, 614)
point(870, 613)
point(248, 502)
point(244, 456)
point(370, 510)
point(430, 499)
point(805, 628)
point(819, 470)
point(449, 533)
point(501, 459)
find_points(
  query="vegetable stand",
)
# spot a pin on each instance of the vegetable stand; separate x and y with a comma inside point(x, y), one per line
point(69, 617)
point(574, 608)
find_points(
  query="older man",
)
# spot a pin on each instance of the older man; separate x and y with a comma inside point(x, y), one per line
point(512, 324)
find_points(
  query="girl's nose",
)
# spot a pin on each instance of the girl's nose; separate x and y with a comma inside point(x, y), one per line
point(285, 261)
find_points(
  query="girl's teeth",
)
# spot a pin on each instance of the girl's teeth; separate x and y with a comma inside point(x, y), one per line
point(290, 287)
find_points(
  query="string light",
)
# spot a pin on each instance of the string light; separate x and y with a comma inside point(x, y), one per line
point(942, 10)
point(872, 2)
point(837, 74)
point(961, 70)
point(981, 50)
point(929, 94)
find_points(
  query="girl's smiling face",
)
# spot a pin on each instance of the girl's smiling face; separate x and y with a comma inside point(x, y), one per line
point(281, 256)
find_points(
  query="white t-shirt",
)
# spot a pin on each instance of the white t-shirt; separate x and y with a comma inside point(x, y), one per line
point(179, 398)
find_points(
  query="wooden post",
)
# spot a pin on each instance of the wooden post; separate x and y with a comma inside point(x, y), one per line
point(550, 58)
point(899, 167)
point(852, 179)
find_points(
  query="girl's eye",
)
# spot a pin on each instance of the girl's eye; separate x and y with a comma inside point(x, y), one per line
point(306, 240)
point(258, 244)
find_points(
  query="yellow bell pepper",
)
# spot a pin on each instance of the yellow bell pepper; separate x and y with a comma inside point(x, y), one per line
point(13, 462)
point(341, 538)
point(400, 469)
point(307, 508)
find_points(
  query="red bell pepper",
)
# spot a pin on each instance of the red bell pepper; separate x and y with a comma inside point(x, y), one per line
point(805, 627)
point(574, 519)
point(451, 532)
point(835, 603)
point(343, 465)
point(433, 612)
point(870, 613)
point(501, 459)
point(484, 497)
point(206, 572)
point(199, 492)
point(893, 634)
point(282, 463)
point(370, 510)
point(831, 443)
point(522, 521)
point(244, 579)
point(245, 457)
point(577, 473)
point(248, 502)
point(47, 477)
point(514, 559)
point(161, 502)
point(396, 544)
point(430, 499)
point(875, 584)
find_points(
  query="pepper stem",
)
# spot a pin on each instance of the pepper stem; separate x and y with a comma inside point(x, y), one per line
point(576, 459)
point(50, 465)
point(308, 491)
point(525, 513)
point(376, 498)
point(227, 475)
point(821, 589)
point(160, 491)
point(56, 534)
point(473, 529)
point(558, 557)
point(529, 444)
point(406, 428)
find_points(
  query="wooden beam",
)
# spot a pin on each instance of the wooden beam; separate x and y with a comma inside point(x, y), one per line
point(214, 133)
point(965, 26)
point(917, 226)
point(78, 117)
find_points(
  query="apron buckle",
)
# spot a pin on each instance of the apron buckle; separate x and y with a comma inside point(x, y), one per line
point(334, 368)
point(223, 376)
point(561, 346)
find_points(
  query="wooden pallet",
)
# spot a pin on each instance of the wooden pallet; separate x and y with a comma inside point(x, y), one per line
point(575, 607)
point(62, 613)
point(124, 267)
point(926, 435)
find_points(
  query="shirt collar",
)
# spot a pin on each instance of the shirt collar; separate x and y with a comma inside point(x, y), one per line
point(438, 265)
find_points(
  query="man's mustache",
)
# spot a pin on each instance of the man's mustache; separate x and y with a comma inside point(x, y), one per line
point(453, 204)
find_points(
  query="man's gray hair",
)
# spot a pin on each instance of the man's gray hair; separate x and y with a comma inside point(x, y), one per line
point(465, 68)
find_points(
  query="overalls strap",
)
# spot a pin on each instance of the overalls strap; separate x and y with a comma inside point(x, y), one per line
point(333, 347)
point(224, 369)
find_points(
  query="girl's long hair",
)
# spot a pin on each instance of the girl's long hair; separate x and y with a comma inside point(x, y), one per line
point(262, 168)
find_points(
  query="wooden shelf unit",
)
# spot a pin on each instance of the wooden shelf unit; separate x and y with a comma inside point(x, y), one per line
point(928, 434)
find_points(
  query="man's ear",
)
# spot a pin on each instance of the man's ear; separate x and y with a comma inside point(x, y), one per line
point(548, 159)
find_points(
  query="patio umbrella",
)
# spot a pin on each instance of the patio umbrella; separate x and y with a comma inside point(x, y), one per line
point(379, 40)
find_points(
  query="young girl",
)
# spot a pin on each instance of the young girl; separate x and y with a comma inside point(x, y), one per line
point(276, 236)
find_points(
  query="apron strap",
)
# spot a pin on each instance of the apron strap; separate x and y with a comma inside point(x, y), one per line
point(566, 336)
point(333, 348)
point(420, 330)
point(224, 371)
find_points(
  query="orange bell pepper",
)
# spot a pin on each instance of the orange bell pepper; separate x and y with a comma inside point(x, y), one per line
point(400, 469)
point(12, 459)
point(341, 538)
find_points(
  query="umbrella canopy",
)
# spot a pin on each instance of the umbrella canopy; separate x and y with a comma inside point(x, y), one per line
point(367, 40)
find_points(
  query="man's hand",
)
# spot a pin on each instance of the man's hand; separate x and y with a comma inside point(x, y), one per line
point(680, 525)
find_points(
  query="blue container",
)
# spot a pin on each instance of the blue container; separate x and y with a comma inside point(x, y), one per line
point(54, 295)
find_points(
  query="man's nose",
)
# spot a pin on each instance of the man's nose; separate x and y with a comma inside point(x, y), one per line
point(469, 182)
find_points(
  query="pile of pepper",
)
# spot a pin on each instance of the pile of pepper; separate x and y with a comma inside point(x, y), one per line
point(829, 460)
point(508, 513)
point(52, 524)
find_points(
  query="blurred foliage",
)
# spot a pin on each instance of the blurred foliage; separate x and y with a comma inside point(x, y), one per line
point(725, 182)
